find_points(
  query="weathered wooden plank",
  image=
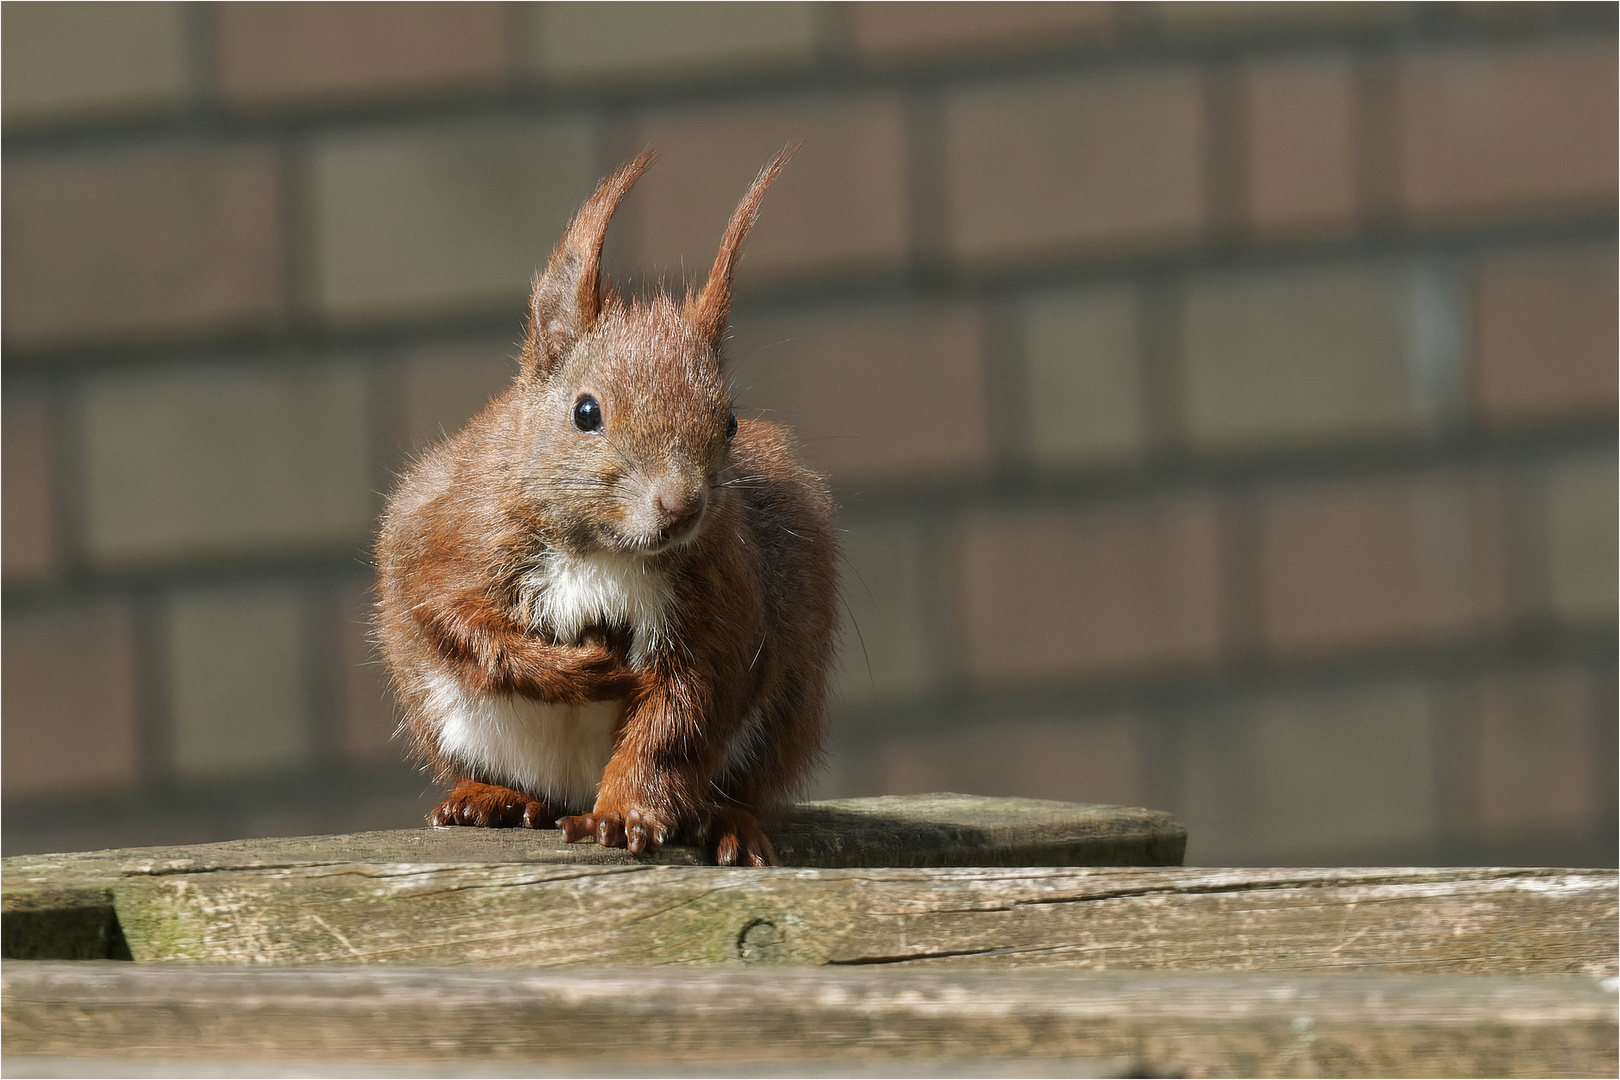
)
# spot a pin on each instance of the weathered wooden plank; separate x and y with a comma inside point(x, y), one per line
point(1392, 920)
point(973, 830)
point(61, 906)
point(1191, 1025)
point(74, 1068)
point(911, 830)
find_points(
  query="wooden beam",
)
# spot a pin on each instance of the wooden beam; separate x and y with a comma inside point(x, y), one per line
point(61, 906)
point(973, 830)
point(895, 830)
point(794, 1021)
point(1371, 920)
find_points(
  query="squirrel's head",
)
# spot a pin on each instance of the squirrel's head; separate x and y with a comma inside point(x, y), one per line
point(628, 416)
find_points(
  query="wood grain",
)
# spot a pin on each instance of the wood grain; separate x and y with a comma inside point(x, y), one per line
point(1186, 1024)
point(1368, 920)
point(61, 906)
point(974, 830)
point(911, 830)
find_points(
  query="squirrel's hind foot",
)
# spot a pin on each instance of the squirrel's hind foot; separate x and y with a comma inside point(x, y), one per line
point(739, 840)
point(492, 806)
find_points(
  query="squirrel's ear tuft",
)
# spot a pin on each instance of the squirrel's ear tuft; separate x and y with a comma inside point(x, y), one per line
point(567, 296)
point(709, 309)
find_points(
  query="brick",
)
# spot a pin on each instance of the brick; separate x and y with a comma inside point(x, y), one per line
point(1538, 756)
point(1301, 354)
point(1301, 156)
point(887, 651)
point(366, 729)
point(434, 217)
point(1049, 168)
point(1545, 340)
point(1085, 383)
point(1520, 14)
point(1380, 563)
point(1110, 591)
point(276, 53)
point(29, 550)
point(813, 221)
point(71, 61)
point(889, 31)
point(70, 701)
point(144, 242)
point(1509, 130)
point(1185, 18)
point(218, 460)
point(874, 394)
point(1582, 522)
point(443, 385)
point(1313, 779)
point(1081, 759)
point(639, 43)
point(238, 685)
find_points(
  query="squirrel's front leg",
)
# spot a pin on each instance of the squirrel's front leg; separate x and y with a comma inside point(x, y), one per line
point(655, 785)
point(652, 786)
point(493, 654)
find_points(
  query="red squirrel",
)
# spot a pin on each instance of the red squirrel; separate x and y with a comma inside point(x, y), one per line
point(608, 602)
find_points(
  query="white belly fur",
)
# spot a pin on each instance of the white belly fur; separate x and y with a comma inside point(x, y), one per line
point(555, 751)
point(564, 594)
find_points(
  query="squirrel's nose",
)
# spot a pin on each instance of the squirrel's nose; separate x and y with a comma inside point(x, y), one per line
point(676, 507)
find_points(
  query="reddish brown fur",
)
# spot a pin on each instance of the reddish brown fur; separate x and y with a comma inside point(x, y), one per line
point(750, 630)
point(493, 807)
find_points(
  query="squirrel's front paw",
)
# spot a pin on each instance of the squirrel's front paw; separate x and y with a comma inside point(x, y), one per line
point(600, 670)
point(636, 831)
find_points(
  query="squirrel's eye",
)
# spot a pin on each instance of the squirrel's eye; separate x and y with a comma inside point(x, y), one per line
point(587, 414)
point(731, 428)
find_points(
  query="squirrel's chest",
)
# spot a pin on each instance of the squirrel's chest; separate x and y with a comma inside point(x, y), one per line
point(556, 751)
point(565, 595)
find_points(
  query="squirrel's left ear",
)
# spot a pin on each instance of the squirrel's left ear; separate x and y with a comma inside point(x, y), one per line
point(567, 296)
point(708, 309)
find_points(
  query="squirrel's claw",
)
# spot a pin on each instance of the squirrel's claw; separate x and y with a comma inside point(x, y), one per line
point(490, 806)
point(740, 841)
point(637, 832)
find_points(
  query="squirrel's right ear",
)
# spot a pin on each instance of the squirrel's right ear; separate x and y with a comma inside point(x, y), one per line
point(567, 297)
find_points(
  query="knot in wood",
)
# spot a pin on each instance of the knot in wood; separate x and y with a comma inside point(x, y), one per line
point(761, 942)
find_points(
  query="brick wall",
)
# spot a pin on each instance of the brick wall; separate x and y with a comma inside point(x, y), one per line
point(1222, 399)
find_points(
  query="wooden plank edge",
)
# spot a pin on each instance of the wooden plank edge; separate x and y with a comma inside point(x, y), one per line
point(1511, 921)
point(74, 1068)
point(1173, 1024)
point(41, 923)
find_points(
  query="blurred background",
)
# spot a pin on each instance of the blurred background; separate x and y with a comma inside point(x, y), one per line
point(1221, 397)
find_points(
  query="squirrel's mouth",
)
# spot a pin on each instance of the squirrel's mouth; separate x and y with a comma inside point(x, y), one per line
point(660, 541)
point(659, 530)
